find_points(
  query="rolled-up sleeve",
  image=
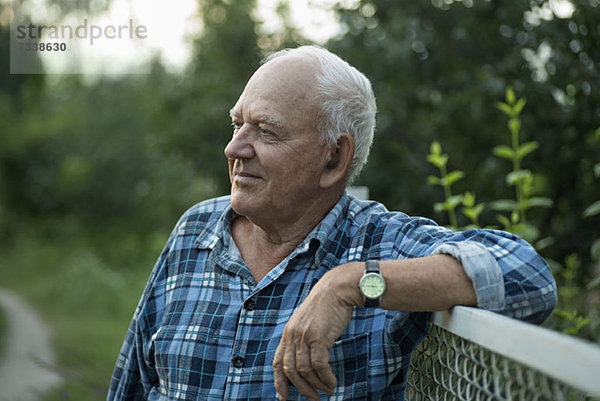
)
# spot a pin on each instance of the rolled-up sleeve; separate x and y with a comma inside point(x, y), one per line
point(483, 270)
point(508, 275)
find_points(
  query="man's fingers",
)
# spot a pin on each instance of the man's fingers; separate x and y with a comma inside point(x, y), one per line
point(319, 357)
point(281, 381)
point(289, 369)
point(305, 368)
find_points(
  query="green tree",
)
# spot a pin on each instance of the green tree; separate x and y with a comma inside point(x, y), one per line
point(438, 69)
point(225, 55)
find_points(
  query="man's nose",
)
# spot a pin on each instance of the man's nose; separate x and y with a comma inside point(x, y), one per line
point(240, 146)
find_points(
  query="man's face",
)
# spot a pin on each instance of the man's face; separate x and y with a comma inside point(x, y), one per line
point(275, 155)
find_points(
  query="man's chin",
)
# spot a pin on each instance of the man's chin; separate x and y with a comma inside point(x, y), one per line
point(241, 203)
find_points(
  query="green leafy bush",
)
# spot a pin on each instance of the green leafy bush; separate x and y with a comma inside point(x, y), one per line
point(575, 310)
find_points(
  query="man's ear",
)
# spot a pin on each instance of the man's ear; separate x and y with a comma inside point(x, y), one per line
point(338, 161)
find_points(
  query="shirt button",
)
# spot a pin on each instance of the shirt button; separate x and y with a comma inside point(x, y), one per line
point(250, 305)
point(238, 361)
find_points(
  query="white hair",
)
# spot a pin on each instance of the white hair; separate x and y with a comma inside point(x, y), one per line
point(347, 103)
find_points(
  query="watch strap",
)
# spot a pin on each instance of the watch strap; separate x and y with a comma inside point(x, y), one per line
point(371, 302)
point(372, 266)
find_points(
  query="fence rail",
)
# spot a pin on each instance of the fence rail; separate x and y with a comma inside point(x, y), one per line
point(472, 354)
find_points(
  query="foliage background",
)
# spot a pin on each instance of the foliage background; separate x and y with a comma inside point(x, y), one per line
point(94, 174)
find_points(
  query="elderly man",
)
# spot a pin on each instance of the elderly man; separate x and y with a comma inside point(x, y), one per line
point(291, 288)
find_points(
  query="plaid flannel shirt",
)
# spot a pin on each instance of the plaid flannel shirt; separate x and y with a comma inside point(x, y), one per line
point(204, 330)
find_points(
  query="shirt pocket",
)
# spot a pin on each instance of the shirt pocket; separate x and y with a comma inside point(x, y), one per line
point(180, 353)
point(349, 359)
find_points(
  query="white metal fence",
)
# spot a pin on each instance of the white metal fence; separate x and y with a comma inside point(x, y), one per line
point(472, 354)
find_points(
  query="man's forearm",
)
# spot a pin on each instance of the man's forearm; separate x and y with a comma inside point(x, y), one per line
point(424, 284)
point(430, 283)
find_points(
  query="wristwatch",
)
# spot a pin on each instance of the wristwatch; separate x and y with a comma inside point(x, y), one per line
point(372, 284)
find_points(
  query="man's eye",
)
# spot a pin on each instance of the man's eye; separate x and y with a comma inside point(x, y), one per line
point(236, 126)
point(265, 132)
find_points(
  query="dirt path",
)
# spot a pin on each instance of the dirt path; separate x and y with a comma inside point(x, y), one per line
point(26, 366)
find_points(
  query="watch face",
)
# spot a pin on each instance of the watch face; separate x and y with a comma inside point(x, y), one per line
point(372, 285)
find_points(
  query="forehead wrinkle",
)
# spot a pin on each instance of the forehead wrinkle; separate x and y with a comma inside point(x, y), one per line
point(281, 94)
point(264, 119)
point(271, 121)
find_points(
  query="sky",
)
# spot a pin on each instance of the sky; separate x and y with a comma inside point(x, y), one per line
point(315, 18)
point(170, 26)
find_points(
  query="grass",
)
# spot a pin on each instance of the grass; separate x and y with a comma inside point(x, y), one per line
point(87, 298)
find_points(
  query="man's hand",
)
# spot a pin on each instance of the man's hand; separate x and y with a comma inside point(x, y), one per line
point(429, 283)
point(303, 353)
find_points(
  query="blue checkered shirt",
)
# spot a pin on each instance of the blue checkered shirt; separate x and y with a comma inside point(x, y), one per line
point(204, 330)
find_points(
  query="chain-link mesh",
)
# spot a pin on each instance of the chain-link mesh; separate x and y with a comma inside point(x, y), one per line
point(448, 367)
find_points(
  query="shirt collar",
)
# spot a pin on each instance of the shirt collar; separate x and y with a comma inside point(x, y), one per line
point(331, 222)
point(221, 231)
